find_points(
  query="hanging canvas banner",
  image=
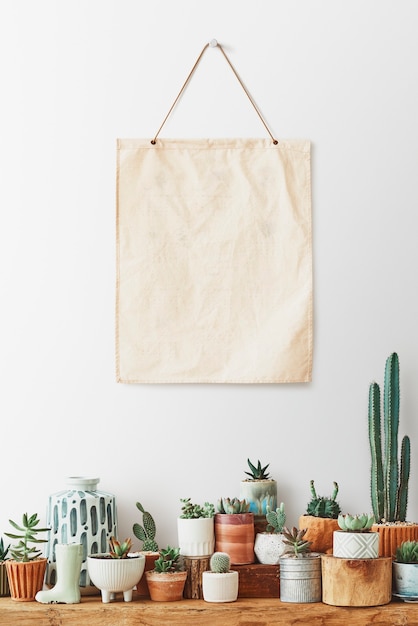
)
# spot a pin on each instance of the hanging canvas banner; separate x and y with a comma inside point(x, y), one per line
point(214, 261)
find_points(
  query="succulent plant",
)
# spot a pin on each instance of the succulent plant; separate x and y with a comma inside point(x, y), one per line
point(276, 519)
point(232, 505)
point(195, 511)
point(320, 506)
point(119, 550)
point(3, 551)
point(220, 562)
point(257, 472)
point(356, 523)
point(294, 541)
point(22, 551)
point(168, 561)
point(407, 552)
point(146, 533)
point(389, 483)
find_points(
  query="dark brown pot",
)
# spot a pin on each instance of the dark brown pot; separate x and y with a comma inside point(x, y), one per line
point(25, 579)
point(234, 534)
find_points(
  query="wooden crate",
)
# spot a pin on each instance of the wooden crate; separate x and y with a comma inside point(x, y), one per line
point(258, 581)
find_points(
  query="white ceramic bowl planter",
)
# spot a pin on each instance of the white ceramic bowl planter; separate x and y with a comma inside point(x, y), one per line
point(115, 575)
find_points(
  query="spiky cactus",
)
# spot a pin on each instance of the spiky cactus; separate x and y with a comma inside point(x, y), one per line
point(258, 472)
point(320, 506)
point(232, 506)
point(220, 562)
point(276, 519)
point(389, 483)
point(146, 533)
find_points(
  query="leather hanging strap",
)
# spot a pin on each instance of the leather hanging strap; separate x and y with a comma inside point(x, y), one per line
point(212, 44)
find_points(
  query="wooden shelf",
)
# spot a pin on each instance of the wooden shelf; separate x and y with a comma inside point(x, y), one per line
point(243, 612)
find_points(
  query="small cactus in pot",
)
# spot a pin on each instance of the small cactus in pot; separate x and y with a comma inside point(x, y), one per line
point(320, 519)
point(355, 539)
point(269, 545)
point(220, 584)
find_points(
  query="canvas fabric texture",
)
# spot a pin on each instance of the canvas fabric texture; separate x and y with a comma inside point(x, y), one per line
point(214, 261)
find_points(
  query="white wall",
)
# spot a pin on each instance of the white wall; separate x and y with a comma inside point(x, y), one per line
point(78, 74)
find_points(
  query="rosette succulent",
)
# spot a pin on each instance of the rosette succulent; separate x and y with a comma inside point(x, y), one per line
point(356, 523)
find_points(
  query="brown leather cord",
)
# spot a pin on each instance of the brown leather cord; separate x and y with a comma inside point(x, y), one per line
point(154, 141)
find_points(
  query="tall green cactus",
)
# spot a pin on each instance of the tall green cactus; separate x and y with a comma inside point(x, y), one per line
point(389, 486)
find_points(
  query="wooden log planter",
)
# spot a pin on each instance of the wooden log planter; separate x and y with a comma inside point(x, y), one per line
point(194, 567)
point(356, 582)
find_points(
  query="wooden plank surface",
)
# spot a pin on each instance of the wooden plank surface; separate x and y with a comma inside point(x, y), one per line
point(243, 612)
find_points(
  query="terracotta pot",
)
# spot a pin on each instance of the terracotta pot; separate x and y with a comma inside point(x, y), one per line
point(320, 532)
point(392, 535)
point(234, 534)
point(142, 586)
point(166, 587)
point(25, 579)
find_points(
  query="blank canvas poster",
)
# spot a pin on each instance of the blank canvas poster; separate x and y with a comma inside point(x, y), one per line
point(214, 261)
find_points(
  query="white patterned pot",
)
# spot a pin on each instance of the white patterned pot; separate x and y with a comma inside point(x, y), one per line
point(269, 547)
point(352, 545)
point(218, 587)
point(196, 537)
point(80, 514)
point(115, 575)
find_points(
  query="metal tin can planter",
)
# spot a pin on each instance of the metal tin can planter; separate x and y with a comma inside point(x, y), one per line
point(300, 579)
point(80, 514)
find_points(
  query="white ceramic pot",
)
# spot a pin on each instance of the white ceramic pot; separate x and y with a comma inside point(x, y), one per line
point(269, 547)
point(260, 494)
point(115, 575)
point(348, 545)
point(405, 579)
point(220, 587)
point(196, 537)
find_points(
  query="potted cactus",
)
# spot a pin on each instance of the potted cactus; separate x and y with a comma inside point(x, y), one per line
point(405, 571)
point(146, 533)
point(269, 545)
point(320, 519)
point(195, 528)
point(166, 581)
point(259, 489)
point(4, 583)
point(26, 569)
point(220, 584)
point(389, 476)
point(117, 570)
point(355, 539)
point(300, 569)
point(234, 530)
point(354, 575)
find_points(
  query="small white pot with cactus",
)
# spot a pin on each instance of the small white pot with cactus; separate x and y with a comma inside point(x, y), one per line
point(269, 546)
point(220, 584)
point(355, 540)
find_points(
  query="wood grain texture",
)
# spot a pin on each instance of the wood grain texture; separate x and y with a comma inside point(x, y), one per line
point(194, 568)
point(356, 582)
point(243, 612)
